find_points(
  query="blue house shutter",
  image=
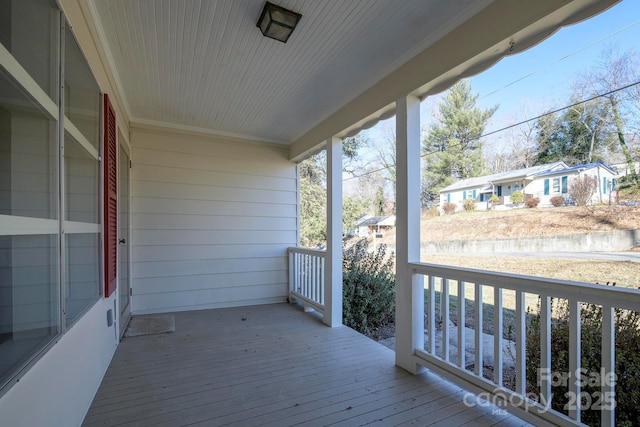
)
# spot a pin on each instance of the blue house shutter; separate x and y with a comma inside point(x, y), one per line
point(604, 185)
point(464, 195)
point(448, 197)
point(546, 187)
point(613, 183)
point(474, 194)
point(564, 184)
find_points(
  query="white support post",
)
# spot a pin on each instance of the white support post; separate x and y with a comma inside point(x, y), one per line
point(332, 315)
point(409, 287)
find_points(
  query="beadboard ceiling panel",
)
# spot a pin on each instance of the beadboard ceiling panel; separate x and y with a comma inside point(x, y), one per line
point(204, 63)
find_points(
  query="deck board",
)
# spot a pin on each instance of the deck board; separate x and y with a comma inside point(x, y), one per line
point(270, 365)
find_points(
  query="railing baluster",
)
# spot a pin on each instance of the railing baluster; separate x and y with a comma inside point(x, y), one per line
point(544, 373)
point(497, 335)
point(478, 330)
point(608, 389)
point(297, 272)
point(321, 284)
point(312, 290)
point(432, 315)
point(521, 372)
point(444, 313)
point(461, 325)
point(574, 358)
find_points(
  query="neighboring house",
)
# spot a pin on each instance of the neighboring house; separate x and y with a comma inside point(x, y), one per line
point(372, 225)
point(543, 182)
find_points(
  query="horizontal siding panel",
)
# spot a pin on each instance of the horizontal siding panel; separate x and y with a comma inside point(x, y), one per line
point(213, 163)
point(210, 222)
point(208, 282)
point(204, 207)
point(212, 192)
point(208, 237)
point(192, 176)
point(200, 252)
point(228, 297)
point(209, 146)
point(206, 266)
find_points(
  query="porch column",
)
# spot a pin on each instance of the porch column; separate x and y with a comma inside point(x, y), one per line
point(409, 289)
point(333, 263)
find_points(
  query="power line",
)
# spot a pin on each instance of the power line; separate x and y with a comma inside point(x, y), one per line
point(557, 110)
point(561, 59)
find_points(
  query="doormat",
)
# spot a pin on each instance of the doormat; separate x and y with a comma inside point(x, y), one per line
point(151, 325)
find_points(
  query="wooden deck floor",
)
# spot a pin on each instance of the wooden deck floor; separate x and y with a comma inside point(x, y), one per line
point(271, 366)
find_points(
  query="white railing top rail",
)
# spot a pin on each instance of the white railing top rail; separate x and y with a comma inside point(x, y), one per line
point(307, 251)
point(618, 297)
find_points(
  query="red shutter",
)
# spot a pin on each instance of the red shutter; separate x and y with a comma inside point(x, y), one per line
point(110, 199)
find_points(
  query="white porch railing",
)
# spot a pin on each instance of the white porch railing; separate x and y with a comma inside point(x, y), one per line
point(306, 277)
point(469, 281)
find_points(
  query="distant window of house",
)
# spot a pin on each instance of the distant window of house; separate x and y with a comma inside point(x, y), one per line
point(565, 180)
point(474, 194)
point(556, 185)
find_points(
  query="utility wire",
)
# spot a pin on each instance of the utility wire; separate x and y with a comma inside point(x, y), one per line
point(561, 59)
point(557, 110)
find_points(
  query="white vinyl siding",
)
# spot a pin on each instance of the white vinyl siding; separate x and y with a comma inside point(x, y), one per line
point(212, 219)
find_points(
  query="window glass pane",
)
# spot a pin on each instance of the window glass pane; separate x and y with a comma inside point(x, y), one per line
point(28, 156)
point(29, 30)
point(81, 183)
point(81, 92)
point(82, 288)
point(29, 298)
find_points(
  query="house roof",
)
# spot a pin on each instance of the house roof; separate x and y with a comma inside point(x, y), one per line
point(579, 168)
point(204, 65)
point(509, 176)
point(374, 220)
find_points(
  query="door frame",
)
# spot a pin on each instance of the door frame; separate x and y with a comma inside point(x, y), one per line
point(124, 317)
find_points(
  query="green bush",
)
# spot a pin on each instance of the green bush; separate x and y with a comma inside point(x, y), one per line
point(557, 201)
point(368, 287)
point(449, 208)
point(494, 199)
point(469, 205)
point(517, 197)
point(532, 203)
point(627, 356)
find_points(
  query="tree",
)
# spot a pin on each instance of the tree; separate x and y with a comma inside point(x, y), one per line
point(579, 135)
point(581, 189)
point(452, 147)
point(614, 71)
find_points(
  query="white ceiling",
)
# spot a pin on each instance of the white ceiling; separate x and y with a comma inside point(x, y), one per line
point(204, 63)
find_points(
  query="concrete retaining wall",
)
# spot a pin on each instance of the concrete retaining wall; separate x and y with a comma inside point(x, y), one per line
point(610, 241)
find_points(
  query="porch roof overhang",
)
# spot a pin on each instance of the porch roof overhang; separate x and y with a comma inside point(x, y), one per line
point(205, 67)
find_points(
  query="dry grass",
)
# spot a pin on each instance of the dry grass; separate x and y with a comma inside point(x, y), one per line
point(623, 273)
point(528, 222)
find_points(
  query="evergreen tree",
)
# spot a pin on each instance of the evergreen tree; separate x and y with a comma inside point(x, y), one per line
point(452, 147)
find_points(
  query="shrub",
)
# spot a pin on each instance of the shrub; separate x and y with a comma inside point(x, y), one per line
point(557, 201)
point(494, 199)
point(469, 205)
point(431, 212)
point(517, 197)
point(627, 354)
point(368, 287)
point(581, 189)
point(449, 208)
point(532, 203)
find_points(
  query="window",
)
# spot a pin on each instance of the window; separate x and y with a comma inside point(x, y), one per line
point(556, 185)
point(38, 298)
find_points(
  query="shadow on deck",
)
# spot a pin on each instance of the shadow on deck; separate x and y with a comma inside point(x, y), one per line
point(272, 365)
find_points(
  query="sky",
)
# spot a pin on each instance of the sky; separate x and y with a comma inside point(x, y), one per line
point(536, 80)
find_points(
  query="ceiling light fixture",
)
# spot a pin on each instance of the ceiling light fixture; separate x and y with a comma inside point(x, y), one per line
point(277, 22)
